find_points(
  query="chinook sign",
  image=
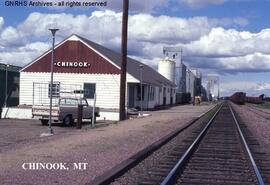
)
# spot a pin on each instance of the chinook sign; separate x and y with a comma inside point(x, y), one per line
point(72, 64)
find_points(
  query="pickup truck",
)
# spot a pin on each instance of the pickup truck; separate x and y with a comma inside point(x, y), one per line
point(65, 111)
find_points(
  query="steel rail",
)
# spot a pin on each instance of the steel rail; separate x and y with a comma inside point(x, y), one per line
point(255, 168)
point(172, 174)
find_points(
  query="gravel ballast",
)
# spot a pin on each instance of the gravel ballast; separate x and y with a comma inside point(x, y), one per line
point(141, 172)
point(259, 126)
point(255, 125)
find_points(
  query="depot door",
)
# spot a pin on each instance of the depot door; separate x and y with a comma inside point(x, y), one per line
point(164, 96)
point(131, 96)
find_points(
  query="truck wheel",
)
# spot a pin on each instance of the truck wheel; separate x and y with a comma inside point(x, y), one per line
point(68, 121)
point(44, 122)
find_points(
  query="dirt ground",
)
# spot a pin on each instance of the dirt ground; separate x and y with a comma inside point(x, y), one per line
point(19, 132)
point(101, 148)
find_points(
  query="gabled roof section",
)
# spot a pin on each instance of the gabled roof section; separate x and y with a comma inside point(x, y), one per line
point(133, 67)
point(73, 56)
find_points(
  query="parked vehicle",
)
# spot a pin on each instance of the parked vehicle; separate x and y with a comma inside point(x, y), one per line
point(65, 111)
point(197, 100)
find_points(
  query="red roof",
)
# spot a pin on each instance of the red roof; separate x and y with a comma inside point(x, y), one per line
point(95, 58)
point(73, 57)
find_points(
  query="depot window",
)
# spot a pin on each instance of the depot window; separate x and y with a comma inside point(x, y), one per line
point(139, 93)
point(152, 93)
point(55, 90)
point(89, 90)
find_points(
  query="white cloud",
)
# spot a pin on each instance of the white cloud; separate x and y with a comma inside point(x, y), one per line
point(206, 44)
point(105, 27)
point(263, 86)
point(252, 88)
point(10, 36)
point(221, 42)
point(142, 27)
point(37, 25)
point(25, 54)
point(251, 62)
point(165, 29)
point(237, 86)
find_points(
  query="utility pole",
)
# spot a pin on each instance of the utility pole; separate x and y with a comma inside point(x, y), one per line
point(122, 108)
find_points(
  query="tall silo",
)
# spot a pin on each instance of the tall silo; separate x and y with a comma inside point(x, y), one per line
point(167, 69)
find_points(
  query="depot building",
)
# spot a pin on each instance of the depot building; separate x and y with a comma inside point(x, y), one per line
point(81, 64)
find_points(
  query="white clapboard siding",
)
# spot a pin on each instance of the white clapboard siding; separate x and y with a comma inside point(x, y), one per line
point(107, 86)
point(158, 100)
point(159, 95)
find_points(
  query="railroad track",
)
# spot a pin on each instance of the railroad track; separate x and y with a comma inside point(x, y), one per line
point(219, 155)
point(213, 152)
point(259, 112)
point(164, 144)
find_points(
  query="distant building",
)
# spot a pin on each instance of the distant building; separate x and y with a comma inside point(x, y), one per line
point(181, 78)
point(212, 87)
point(175, 54)
point(204, 93)
point(193, 82)
point(13, 77)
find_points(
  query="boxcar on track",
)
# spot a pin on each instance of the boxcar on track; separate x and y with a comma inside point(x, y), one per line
point(238, 98)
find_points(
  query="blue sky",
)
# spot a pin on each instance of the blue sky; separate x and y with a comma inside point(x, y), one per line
point(227, 37)
point(257, 12)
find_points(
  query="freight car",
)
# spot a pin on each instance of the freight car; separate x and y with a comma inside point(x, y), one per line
point(238, 98)
point(255, 100)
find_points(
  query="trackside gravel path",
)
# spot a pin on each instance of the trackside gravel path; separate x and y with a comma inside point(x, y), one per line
point(101, 148)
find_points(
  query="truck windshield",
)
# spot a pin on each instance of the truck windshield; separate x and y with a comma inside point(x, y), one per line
point(69, 102)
